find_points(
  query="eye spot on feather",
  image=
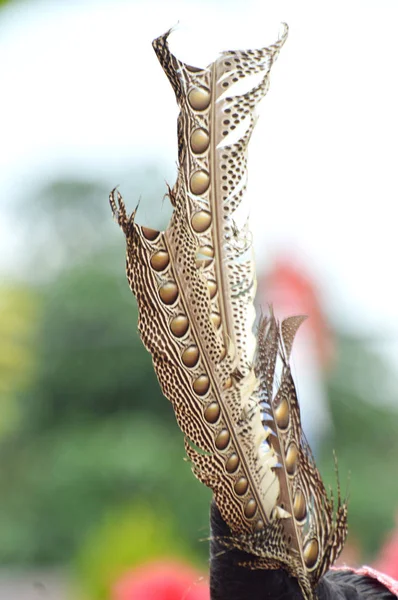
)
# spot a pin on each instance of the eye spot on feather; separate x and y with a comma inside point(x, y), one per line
point(199, 141)
point(241, 486)
point(259, 525)
point(204, 256)
point(168, 292)
point(160, 260)
point(250, 508)
point(215, 319)
point(179, 325)
point(193, 69)
point(201, 221)
point(222, 440)
point(311, 551)
point(199, 98)
point(282, 414)
point(190, 356)
point(291, 459)
point(232, 463)
point(201, 385)
point(228, 383)
point(199, 182)
point(150, 234)
point(212, 287)
point(223, 353)
point(299, 506)
point(212, 412)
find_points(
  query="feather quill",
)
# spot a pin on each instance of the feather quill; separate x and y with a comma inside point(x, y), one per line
point(195, 286)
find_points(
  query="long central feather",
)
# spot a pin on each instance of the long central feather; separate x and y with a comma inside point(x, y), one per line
point(195, 286)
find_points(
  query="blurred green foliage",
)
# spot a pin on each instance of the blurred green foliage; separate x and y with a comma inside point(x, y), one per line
point(18, 320)
point(365, 437)
point(126, 538)
point(57, 487)
point(91, 361)
point(94, 431)
point(90, 457)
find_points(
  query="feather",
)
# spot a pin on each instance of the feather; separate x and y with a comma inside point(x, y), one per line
point(195, 286)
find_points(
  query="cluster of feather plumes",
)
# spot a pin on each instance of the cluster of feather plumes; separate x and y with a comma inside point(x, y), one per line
point(195, 288)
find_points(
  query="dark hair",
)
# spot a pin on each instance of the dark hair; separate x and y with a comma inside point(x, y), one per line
point(230, 581)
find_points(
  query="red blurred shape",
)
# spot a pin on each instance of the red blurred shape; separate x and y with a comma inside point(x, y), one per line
point(388, 557)
point(165, 580)
point(292, 291)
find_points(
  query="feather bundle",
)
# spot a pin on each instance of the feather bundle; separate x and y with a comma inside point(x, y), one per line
point(195, 286)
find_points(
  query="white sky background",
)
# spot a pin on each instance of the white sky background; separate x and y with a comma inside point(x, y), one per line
point(83, 94)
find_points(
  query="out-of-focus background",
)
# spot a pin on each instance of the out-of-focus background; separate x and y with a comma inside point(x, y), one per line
point(93, 485)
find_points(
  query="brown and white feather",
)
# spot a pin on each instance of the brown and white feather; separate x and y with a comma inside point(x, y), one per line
point(195, 285)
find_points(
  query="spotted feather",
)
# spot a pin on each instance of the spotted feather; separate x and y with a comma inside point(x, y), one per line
point(195, 286)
